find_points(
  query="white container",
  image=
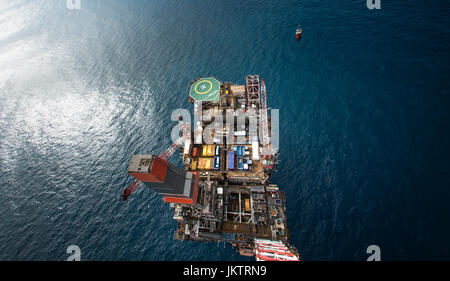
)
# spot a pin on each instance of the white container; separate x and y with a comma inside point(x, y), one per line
point(255, 151)
point(187, 146)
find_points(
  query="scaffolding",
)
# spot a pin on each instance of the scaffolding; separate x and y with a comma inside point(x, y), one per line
point(252, 88)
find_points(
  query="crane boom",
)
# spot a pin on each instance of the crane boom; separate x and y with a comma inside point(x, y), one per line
point(169, 151)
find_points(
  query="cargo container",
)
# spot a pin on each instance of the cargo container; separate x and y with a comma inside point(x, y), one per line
point(205, 163)
point(239, 151)
point(231, 160)
point(217, 150)
point(204, 150)
point(208, 150)
point(240, 164)
point(216, 163)
point(194, 152)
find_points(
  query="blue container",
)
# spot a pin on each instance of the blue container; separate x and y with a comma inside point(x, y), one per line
point(231, 160)
point(240, 163)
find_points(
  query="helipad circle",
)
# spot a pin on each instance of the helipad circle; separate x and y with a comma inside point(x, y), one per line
point(204, 85)
point(205, 89)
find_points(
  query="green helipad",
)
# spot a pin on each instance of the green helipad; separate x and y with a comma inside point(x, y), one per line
point(205, 89)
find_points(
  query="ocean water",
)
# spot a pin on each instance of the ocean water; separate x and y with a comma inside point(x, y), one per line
point(364, 121)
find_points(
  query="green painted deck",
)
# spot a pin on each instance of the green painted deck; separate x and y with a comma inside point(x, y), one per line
point(206, 89)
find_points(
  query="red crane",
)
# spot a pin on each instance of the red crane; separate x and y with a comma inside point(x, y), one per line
point(185, 128)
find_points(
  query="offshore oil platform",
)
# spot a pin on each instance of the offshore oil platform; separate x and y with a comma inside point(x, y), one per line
point(224, 193)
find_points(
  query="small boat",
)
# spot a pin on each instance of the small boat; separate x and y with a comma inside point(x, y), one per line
point(298, 33)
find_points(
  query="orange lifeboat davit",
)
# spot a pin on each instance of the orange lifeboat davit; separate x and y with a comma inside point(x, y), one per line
point(298, 33)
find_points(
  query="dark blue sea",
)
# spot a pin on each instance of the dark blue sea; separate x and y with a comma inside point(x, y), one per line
point(364, 103)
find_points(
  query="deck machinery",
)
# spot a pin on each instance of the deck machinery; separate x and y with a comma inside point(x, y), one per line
point(224, 193)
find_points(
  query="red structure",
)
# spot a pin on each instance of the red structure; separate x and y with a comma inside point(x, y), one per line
point(152, 170)
point(183, 200)
point(267, 250)
point(174, 184)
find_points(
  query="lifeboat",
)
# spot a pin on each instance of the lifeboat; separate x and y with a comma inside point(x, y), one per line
point(268, 163)
point(298, 33)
